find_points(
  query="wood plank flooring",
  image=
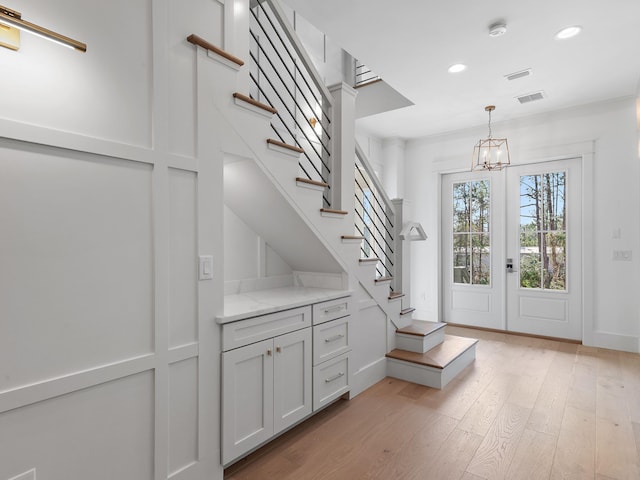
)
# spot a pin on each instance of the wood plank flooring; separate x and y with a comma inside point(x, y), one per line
point(527, 408)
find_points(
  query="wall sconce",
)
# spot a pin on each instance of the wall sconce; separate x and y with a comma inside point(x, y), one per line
point(11, 23)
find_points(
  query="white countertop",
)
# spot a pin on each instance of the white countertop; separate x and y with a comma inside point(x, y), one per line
point(251, 304)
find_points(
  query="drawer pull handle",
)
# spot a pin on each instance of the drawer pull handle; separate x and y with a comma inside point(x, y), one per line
point(268, 352)
point(335, 377)
point(278, 350)
point(334, 309)
point(334, 338)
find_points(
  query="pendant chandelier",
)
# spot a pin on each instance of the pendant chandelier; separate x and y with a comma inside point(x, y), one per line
point(490, 153)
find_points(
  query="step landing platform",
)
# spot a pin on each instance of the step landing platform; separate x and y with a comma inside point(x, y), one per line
point(420, 336)
point(435, 368)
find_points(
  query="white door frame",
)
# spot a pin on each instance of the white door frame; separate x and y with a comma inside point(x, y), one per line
point(585, 152)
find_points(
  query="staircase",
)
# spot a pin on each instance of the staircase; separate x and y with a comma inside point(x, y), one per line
point(427, 356)
point(281, 173)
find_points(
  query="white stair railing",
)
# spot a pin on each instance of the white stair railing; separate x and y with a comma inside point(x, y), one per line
point(374, 217)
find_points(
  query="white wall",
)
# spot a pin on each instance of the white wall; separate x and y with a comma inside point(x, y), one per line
point(109, 190)
point(247, 255)
point(611, 128)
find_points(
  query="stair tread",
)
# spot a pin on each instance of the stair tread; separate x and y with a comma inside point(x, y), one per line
point(311, 182)
point(383, 279)
point(421, 328)
point(352, 237)
point(438, 357)
point(280, 144)
point(255, 103)
point(331, 210)
point(395, 295)
point(369, 260)
point(406, 311)
point(196, 40)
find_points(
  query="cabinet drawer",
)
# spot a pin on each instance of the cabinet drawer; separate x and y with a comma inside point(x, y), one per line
point(330, 339)
point(330, 380)
point(244, 332)
point(330, 310)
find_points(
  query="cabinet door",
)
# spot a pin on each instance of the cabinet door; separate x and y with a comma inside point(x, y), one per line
point(292, 378)
point(247, 398)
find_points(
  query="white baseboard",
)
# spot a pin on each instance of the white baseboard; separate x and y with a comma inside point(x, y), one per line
point(368, 376)
point(615, 341)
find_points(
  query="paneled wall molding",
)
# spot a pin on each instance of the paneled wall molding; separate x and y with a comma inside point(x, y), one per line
point(16, 133)
point(183, 352)
point(55, 387)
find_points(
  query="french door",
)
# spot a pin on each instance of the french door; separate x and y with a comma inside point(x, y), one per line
point(512, 249)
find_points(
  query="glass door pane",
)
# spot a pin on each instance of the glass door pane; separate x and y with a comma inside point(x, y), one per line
point(543, 233)
point(471, 236)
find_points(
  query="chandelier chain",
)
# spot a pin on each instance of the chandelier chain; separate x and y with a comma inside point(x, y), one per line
point(489, 123)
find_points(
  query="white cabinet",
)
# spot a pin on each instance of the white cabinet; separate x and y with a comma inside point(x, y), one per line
point(331, 351)
point(267, 387)
point(279, 368)
point(247, 398)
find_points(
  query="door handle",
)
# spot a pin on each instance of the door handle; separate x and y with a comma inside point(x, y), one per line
point(510, 266)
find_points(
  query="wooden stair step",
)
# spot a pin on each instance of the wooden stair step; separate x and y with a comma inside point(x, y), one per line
point(201, 42)
point(407, 311)
point(438, 357)
point(313, 183)
point(421, 328)
point(333, 213)
point(383, 279)
point(255, 103)
point(352, 237)
point(286, 146)
point(369, 260)
point(331, 210)
point(395, 295)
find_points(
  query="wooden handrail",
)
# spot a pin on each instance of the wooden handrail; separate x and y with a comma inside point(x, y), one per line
point(255, 103)
point(201, 42)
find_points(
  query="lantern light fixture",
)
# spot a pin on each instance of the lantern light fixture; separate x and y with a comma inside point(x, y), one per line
point(490, 153)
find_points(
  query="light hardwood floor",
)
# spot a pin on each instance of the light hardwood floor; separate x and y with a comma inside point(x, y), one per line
point(527, 408)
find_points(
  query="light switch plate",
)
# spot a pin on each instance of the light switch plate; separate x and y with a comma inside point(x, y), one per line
point(205, 269)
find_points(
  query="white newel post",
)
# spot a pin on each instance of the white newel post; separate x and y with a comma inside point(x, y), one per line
point(402, 253)
point(393, 169)
point(344, 147)
point(236, 37)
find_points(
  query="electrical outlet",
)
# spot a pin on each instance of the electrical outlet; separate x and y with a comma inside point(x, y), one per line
point(622, 255)
point(30, 475)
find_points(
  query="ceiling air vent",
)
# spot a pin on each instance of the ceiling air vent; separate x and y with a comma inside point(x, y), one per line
point(520, 74)
point(531, 97)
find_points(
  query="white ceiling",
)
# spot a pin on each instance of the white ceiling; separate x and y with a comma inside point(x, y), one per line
point(411, 43)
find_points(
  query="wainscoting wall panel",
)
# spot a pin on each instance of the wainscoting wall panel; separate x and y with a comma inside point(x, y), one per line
point(79, 435)
point(183, 257)
point(76, 263)
point(183, 415)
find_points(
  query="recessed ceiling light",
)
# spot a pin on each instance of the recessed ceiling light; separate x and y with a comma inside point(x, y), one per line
point(568, 32)
point(457, 68)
